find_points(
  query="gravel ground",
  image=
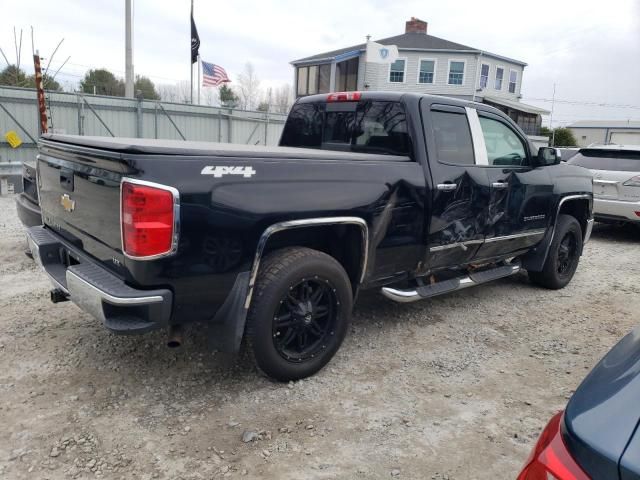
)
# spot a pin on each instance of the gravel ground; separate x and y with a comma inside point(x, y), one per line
point(457, 387)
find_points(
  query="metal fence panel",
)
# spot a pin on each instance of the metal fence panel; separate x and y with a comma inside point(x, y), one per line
point(81, 114)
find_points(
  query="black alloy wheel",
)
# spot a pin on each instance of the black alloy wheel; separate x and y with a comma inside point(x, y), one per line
point(563, 255)
point(299, 314)
point(567, 253)
point(305, 319)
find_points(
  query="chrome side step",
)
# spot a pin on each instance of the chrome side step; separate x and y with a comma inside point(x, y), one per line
point(447, 286)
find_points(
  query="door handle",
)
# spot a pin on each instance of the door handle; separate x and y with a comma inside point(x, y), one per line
point(499, 184)
point(447, 187)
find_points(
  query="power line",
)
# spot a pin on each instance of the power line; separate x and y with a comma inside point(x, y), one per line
point(584, 103)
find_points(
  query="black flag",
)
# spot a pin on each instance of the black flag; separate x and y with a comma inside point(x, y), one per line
point(195, 40)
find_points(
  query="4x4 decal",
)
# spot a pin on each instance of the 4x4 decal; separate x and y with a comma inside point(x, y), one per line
point(219, 171)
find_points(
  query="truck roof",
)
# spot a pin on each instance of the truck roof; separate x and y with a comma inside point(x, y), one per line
point(400, 97)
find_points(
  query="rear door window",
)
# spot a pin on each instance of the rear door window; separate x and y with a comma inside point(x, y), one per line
point(366, 127)
point(452, 137)
point(613, 160)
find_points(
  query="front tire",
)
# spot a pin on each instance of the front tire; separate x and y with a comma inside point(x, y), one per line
point(300, 313)
point(563, 257)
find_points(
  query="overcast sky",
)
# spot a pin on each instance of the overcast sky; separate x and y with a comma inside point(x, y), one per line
point(590, 49)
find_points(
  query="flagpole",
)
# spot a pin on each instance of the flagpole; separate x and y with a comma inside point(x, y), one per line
point(190, 57)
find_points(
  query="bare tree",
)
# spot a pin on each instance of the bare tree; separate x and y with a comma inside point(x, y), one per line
point(210, 97)
point(248, 88)
point(282, 99)
point(177, 93)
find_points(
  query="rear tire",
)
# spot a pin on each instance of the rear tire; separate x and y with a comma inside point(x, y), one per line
point(563, 257)
point(299, 314)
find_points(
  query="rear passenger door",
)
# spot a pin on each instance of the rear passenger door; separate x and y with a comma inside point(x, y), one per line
point(519, 196)
point(460, 193)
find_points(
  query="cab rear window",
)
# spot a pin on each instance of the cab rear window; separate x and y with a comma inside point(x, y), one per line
point(366, 127)
point(601, 159)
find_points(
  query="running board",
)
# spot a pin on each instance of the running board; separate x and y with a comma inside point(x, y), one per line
point(447, 286)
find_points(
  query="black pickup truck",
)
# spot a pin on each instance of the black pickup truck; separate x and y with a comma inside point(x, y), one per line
point(412, 194)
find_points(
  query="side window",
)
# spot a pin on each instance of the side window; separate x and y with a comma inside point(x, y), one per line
point(303, 127)
point(504, 146)
point(452, 138)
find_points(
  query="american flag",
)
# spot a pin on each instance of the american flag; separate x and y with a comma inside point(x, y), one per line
point(213, 75)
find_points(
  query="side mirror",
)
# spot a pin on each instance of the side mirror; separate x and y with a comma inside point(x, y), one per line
point(547, 156)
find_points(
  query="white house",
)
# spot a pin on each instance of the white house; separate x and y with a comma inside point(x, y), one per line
point(426, 64)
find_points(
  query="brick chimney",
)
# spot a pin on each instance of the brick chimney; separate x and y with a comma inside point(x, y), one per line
point(415, 25)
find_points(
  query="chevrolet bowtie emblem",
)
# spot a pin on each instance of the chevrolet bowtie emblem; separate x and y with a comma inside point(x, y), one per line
point(67, 203)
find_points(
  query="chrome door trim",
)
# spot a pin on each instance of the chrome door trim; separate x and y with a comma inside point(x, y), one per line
point(306, 222)
point(531, 233)
point(479, 146)
point(463, 245)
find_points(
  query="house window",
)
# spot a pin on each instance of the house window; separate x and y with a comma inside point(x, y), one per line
point(313, 79)
point(484, 75)
point(347, 75)
point(499, 77)
point(427, 71)
point(513, 79)
point(324, 79)
point(396, 71)
point(303, 75)
point(456, 73)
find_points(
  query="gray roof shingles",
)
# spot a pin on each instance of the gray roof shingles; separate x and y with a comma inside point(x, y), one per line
point(407, 41)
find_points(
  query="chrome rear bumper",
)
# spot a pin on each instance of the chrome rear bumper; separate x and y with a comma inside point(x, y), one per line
point(96, 290)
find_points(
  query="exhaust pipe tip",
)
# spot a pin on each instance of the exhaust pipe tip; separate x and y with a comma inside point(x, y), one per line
point(174, 339)
point(57, 296)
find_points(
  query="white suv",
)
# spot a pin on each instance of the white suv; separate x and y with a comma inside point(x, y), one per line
point(616, 181)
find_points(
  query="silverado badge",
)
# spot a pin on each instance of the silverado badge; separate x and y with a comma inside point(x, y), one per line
point(66, 202)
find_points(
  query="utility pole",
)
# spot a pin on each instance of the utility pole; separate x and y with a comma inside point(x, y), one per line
point(128, 68)
point(553, 131)
point(364, 75)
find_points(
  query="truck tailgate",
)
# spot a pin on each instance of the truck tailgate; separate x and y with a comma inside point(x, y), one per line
point(80, 198)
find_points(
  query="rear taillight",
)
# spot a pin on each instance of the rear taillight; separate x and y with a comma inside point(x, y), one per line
point(148, 218)
point(633, 182)
point(344, 97)
point(550, 459)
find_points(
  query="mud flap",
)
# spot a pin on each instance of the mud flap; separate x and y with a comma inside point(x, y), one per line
point(534, 259)
point(226, 329)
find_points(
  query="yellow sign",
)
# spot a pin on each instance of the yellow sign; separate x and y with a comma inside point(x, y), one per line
point(66, 202)
point(13, 139)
